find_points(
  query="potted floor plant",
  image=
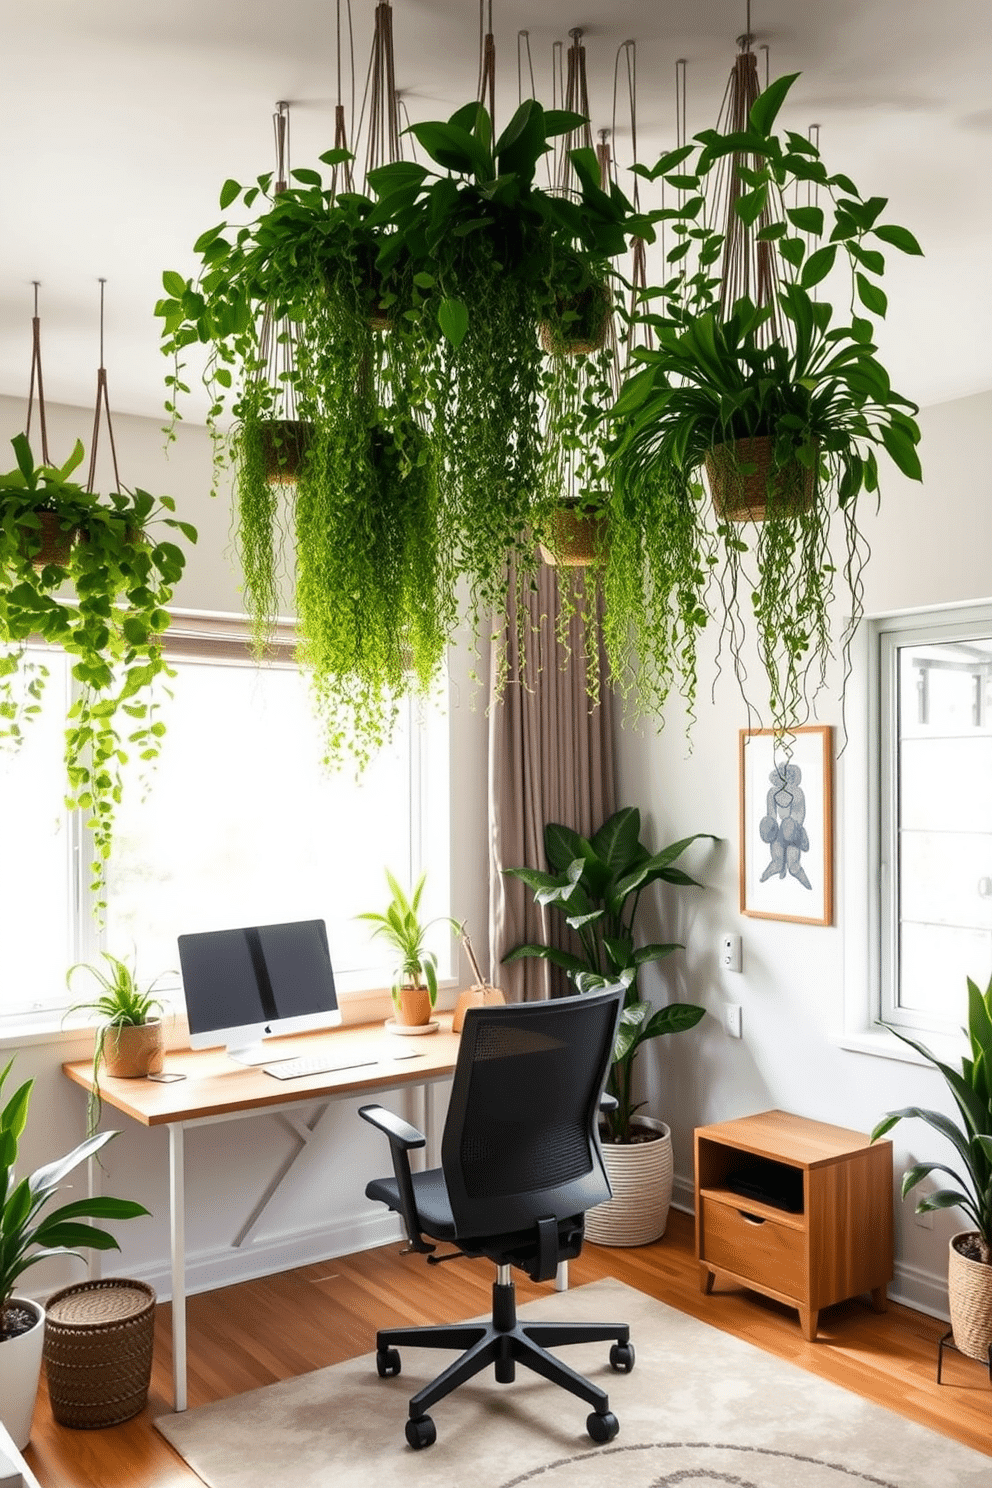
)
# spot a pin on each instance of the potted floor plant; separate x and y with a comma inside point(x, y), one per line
point(128, 1042)
point(597, 884)
point(414, 989)
point(30, 1231)
point(105, 605)
point(969, 1275)
point(778, 396)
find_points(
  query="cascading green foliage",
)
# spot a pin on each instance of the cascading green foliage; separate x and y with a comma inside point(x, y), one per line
point(795, 369)
point(112, 624)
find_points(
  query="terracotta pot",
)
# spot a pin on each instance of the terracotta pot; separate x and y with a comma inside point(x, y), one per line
point(969, 1295)
point(744, 498)
point(577, 538)
point(284, 446)
point(134, 1051)
point(640, 1175)
point(475, 997)
point(413, 1007)
point(20, 1369)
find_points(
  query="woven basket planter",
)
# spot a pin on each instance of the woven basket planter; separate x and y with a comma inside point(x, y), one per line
point(54, 541)
point(98, 1351)
point(581, 337)
point(640, 1175)
point(745, 498)
point(969, 1295)
point(284, 446)
point(577, 538)
point(133, 1051)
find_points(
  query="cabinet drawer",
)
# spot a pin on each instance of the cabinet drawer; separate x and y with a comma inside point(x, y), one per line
point(769, 1254)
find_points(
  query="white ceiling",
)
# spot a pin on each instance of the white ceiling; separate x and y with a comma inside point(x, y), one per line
point(119, 122)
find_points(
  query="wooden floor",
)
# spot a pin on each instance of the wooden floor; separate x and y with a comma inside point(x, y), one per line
point(261, 1331)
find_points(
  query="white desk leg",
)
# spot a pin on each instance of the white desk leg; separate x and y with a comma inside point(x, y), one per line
point(561, 1277)
point(177, 1201)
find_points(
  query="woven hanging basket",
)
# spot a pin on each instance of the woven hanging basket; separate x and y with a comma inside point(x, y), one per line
point(54, 542)
point(284, 446)
point(969, 1295)
point(99, 1337)
point(577, 538)
point(587, 334)
point(739, 497)
point(640, 1175)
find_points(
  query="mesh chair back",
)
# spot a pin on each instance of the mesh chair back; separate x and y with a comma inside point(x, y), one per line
point(521, 1140)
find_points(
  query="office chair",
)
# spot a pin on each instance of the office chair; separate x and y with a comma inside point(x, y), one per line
point(520, 1165)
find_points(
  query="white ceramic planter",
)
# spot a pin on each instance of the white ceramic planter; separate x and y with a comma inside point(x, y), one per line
point(20, 1369)
point(641, 1176)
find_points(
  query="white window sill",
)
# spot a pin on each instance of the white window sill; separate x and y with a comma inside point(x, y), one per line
point(884, 1045)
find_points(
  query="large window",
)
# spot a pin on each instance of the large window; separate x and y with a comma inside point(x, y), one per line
point(238, 823)
point(935, 815)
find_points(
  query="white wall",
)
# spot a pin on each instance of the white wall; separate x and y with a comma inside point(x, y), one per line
point(322, 1210)
point(930, 545)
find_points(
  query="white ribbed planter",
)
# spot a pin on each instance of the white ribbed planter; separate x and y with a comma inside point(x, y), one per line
point(20, 1369)
point(969, 1296)
point(640, 1175)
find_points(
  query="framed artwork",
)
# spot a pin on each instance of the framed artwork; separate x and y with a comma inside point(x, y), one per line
point(786, 849)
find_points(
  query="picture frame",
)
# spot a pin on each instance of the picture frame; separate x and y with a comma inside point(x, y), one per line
point(786, 833)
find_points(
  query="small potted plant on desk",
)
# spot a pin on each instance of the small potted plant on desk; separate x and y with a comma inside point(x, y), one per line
point(128, 1042)
point(597, 885)
point(28, 1234)
point(415, 986)
point(969, 1271)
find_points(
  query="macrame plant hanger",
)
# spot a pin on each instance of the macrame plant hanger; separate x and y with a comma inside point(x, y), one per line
point(37, 380)
point(380, 105)
point(487, 61)
point(276, 339)
point(639, 267)
point(340, 126)
point(102, 407)
point(748, 265)
point(575, 99)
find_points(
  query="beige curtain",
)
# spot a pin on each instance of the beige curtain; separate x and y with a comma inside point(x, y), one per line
point(551, 758)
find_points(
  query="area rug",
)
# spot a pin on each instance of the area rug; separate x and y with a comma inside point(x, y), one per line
point(700, 1410)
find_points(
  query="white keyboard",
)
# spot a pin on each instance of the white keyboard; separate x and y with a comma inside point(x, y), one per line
point(328, 1064)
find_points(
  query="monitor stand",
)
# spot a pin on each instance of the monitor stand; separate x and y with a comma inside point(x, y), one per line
point(250, 1054)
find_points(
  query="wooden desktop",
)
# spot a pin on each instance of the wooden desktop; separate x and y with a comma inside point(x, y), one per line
point(215, 1089)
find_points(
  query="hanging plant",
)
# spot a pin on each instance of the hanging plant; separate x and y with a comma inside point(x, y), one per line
point(105, 606)
point(787, 394)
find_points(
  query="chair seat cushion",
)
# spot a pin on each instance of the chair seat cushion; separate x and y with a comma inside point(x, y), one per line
point(431, 1196)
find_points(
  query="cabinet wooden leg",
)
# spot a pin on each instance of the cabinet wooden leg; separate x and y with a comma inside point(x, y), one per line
point(808, 1321)
point(879, 1302)
point(706, 1279)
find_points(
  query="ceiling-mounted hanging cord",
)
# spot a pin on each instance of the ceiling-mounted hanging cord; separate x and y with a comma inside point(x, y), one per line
point(524, 36)
point(487, 61)
point(639, 266)
point(341, 131)
point(553, 157)
point(36, 378)
point(576, 100)
point(102, 401)
point(681, 91)
point(768, 63)
point(381, 98)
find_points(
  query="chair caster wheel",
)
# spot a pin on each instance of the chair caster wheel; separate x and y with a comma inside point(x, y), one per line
point(387, 1362)
point(622, 1357)
point(421, 1433)
point(602, 1428)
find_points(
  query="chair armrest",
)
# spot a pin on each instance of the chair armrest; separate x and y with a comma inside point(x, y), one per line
point(608, 1102)
point(396, 1129)
point(403, 1138)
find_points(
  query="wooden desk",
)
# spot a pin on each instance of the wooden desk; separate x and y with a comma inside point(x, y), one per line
point(216, 1089)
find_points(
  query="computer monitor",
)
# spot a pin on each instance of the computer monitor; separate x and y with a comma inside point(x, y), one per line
point(242, 986)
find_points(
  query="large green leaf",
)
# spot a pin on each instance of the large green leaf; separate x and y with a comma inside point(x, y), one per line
point(562, 846)
point(764, 110)
point(617, 842)
point(564, 959)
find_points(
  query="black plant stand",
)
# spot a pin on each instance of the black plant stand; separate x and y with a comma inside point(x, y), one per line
point(948, 1342)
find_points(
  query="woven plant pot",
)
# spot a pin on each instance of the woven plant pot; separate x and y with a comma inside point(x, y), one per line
point(55, 541)
point(745, 498)
point(587, 334)
point(99, 1337)
point(969, 1294)
point(133, 1051)
point(284, 446)
point(640, 1175)
point(577, 538)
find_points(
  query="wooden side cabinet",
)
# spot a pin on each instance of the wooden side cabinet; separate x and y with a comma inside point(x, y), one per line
point(795, 1209)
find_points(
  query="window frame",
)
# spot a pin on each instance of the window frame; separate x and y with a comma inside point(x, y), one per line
point(211, 637)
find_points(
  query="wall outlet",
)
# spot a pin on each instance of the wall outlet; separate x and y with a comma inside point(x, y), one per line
point(730, 952)
point(732, 1019)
